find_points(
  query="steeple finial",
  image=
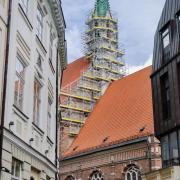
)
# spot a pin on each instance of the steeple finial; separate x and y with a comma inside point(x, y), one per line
point(102, 7)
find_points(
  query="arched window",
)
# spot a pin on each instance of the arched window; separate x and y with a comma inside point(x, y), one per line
point(132, 173)
point(70, 177)
point(96, 175)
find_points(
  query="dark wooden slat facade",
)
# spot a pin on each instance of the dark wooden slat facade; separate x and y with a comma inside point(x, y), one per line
point(167, 127)
point(169, 16)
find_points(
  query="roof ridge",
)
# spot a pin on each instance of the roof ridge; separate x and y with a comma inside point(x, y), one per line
point(134, 73)
point(83, 57)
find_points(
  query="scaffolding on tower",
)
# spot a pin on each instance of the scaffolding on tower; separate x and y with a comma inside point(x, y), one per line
point(106, 64)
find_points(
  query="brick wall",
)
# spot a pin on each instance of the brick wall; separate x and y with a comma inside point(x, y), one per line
point(112, 163)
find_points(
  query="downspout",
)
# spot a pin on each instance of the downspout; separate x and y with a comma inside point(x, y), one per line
point(5, 81)
point(57, 88)
point(57, 111)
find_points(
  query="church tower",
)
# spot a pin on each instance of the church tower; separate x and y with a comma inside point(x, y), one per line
point(105, 64)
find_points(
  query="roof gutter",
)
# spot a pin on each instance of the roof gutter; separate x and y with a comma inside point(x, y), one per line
point(141, 139)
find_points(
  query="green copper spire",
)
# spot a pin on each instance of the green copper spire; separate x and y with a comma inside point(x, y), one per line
point(102, 7)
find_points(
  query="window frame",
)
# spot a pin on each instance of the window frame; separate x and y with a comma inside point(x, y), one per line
point(130, 171)
point(173, 143)
point(37, 103)
point(165, 96)
point(165, 35)
point(24, 5)
point(96, 175)
point(13, 169)
point(49, 116)
point(39, 26)
point(21, 81)
point(166, 32)
point(70, 177)
point(51, 39)
point(170, 160)
point(39, 61)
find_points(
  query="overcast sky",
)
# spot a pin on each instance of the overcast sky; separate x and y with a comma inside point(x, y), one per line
point(137, 24)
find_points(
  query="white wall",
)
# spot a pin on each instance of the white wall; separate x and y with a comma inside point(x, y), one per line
point(3, 29)
point(23, 41)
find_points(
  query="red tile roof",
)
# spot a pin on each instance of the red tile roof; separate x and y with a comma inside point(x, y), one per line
point(123, 110)
point(74, 71)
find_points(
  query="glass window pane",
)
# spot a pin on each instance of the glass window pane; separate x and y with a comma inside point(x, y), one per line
point(39, 23)
point(166, 41)
point(37, 101)
point(24, 5)
point(19, 84)
point(165, 32)
point(20, 68)
point(16, 168)
point(165, 150)
point(134, 176)
point(128, 176)
point(174, 147)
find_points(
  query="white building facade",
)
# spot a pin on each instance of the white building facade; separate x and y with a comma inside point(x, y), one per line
point(37, 55)
point(3, 37)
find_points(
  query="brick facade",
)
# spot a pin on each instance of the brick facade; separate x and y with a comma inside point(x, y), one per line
point(113, 163)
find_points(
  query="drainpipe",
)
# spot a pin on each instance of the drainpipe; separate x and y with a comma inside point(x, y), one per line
point(5, 81)
point(57, 111)
point(57, 93)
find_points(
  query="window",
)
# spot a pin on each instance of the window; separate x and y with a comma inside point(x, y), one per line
point(108, 34)
point(165, 95)
point(166, 38)
point(96, 175)
point(24, 5)
point(165, 151)
point(97, 33)
point(51, 46)
point(39, 27)
point(70, 178)
point(96, 24)
point(174, 148)
point(49, 117)
point(16, 169)
point(19, 84)
point(37, 102)
point(132, 173)
point(39, 61)
point(166, 44)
